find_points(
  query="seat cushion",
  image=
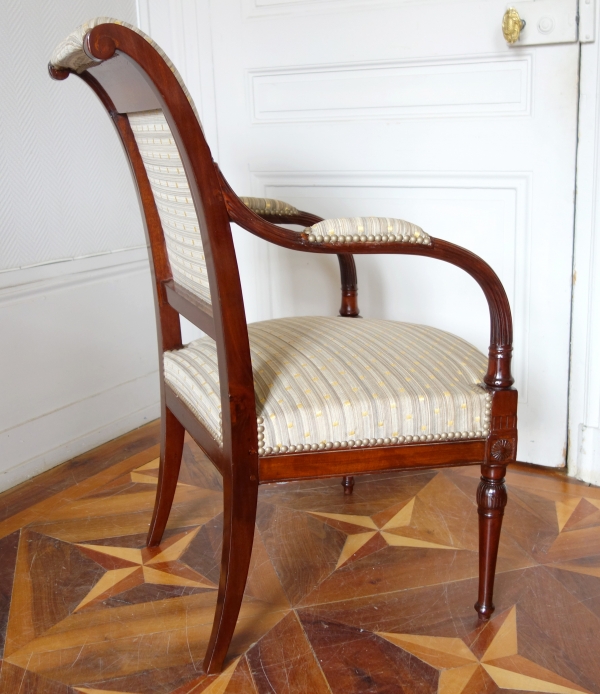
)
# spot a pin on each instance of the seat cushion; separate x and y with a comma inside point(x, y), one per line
point(324, 383)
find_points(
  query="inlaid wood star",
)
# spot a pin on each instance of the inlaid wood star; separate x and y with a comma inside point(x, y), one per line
point(368, 534)
point(577, 512)
point(128, 567)
point(148, 474)
point(489, 654)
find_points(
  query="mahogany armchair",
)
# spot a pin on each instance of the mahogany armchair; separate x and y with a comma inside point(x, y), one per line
point(293, 398)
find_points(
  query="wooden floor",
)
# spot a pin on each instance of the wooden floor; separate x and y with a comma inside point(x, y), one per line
point(370, 593)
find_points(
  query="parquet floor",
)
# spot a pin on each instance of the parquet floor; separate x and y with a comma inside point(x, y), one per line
point(371, 593)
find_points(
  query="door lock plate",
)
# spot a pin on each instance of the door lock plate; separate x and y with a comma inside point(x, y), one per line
point(554, 21)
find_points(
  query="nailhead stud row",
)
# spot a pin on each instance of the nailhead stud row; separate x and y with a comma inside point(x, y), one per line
point(370, 443)
point(391, 238)
point(269, 206)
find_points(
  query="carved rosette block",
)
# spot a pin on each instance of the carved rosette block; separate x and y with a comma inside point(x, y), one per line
point(502, 449)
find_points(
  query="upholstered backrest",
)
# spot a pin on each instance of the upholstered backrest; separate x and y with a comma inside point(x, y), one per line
point(173, 199)
point(163, 164)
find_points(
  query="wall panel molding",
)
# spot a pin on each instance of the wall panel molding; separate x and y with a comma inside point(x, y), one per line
point(475, 86)
point(23, 282)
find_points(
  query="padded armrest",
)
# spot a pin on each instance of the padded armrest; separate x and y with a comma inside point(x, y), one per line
point(268, 206)
point(367, 229)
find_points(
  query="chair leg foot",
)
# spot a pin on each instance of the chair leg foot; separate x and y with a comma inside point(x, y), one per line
point(491, 500)
point(171, 450)
point(348, 485)
point(238, 535)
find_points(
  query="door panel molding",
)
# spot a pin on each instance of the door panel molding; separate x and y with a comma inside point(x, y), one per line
point(486, 85)
point(506, 194)
point(269, 8)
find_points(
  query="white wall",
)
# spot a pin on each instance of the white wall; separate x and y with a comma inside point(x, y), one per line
point(78, 357)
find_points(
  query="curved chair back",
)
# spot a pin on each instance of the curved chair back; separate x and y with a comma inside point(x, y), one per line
point(187, 224)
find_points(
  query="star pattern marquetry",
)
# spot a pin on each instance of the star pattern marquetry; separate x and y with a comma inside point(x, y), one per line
point(128, 567)
point(148, 474)
point(368, 534)
point(499, 659)
point(86, 608)
point(577, 512)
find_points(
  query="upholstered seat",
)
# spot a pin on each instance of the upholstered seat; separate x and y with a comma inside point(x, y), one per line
point(324, 383)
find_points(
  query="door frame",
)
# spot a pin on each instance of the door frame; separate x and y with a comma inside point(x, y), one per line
point(583, 455)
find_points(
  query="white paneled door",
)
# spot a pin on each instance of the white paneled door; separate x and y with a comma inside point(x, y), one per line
point(417, 110)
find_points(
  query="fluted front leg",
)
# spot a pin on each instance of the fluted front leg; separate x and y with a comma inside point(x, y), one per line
point(501, 449)
point(491, 500)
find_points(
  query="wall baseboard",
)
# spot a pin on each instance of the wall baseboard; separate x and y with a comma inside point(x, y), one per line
point(586, 462)
point(66, 433)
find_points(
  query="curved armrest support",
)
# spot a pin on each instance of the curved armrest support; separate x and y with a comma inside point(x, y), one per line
point(279, 212)
point(498, 375)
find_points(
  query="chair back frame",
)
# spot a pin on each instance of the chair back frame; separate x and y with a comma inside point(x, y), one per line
point(224, 320)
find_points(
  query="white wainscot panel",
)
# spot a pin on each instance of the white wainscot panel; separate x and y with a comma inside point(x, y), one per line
point(79, 359)
point(487, 213)
point(486, 85)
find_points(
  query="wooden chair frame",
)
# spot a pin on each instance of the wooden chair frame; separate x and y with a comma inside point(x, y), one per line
point(237, 457)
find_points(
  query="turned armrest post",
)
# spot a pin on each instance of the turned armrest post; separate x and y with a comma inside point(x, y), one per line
point(349, 307)
point(498, 375)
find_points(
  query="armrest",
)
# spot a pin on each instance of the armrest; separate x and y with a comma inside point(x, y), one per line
point(498, 375)
point(280, 212)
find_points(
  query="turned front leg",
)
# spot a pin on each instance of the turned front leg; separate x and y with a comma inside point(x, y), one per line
point(491, 500)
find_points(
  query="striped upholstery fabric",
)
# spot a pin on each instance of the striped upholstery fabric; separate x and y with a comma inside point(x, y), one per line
point(69, 54)
point(269, 206)
point(173, 199)
point(325, 383)
point(346, 229)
